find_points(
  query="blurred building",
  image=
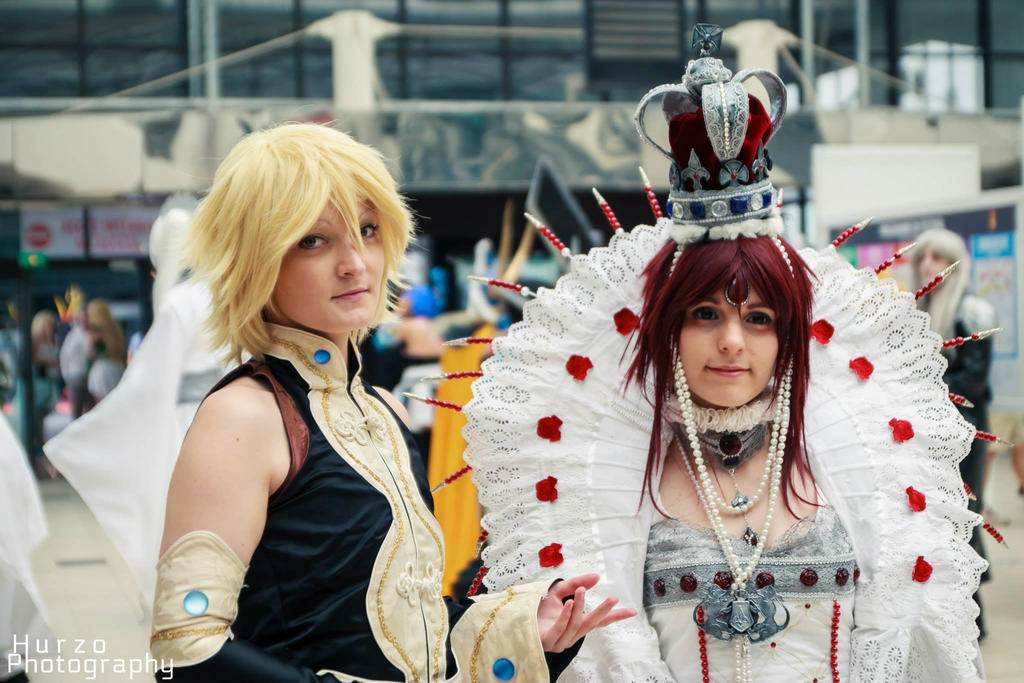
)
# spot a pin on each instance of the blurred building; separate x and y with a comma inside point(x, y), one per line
point(109, 106)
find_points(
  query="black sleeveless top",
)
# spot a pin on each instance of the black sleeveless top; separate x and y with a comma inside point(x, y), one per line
point(304, 597)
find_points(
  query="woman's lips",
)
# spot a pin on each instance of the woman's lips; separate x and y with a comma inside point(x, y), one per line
point(728, 371)
point(351, 296)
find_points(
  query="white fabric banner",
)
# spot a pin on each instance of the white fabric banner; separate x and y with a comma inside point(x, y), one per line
point(56, 232)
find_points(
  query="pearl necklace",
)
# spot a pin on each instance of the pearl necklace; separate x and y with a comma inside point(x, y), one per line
point(776, 449)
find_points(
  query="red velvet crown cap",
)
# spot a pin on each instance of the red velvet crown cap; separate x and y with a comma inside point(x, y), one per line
point(686, 131)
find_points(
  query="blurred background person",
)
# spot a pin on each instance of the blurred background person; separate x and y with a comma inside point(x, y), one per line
point(75, 353)
point(108, 349)
point(955, 312)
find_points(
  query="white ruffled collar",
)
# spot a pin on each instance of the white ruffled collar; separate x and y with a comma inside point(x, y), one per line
point(738, 419)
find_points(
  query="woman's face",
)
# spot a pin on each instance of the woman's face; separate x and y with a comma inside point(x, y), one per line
point(325, 285)
point(930, 265)
point(728, 352)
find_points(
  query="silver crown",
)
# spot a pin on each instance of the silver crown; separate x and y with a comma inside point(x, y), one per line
point(710, 86)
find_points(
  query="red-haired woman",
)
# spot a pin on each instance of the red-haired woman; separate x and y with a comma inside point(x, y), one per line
point(752, 445)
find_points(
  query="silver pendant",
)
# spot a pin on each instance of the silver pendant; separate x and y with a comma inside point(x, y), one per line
point(748, 612)
point(750, 537)
point(739, 500)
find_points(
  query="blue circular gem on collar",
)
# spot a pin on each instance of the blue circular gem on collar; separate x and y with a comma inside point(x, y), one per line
point(504, 669)
point(322, 356)
point(196, 603)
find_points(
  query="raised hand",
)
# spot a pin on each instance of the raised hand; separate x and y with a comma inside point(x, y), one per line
point(561, 618)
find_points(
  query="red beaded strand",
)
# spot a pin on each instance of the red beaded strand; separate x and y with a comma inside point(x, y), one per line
point(451, 478)
point(988, 436)
point(550, 236)
point(994, 533)
point(607, 209)
point(977, 336)
point(462, 374)
point(960, 400)
point(936, 281)
point(969, 492)
point(480, 541)
point(466, 341)
point(850, 232)
point(652, 198)
point(834, 650)
point(705, 671)
point(477, 580)
point(492, 282)
point(892, 259)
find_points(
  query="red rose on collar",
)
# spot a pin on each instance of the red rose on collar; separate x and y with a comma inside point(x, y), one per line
point(547, 490)
point(578, 366)
point(549, 428)
point(901, 430)
point(862, 366)
point(922, 570)
point(915, 499)
point(822, 331)
point(626, 321)
point(551, 555)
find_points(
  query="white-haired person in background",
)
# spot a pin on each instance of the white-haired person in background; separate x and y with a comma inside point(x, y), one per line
point(120, 455)
point(956, 312)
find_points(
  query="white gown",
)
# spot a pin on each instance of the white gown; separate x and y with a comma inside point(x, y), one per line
point(552, 412)
point(120, 455)
point(22, 529)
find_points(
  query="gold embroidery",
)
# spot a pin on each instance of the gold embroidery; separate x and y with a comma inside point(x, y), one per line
point(395, 514)
point(172, 633)
point(417, 502)
point(473, 676)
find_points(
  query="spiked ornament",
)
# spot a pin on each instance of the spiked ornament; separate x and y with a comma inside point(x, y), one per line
point(550, 236)
point(466, 341)
point(987, 436)
point(899, 253)
point(851, 231)
point(451, 478)
point(608, 213)
point(936, 281)
point(960, 400)
point(462, 374)
point(977, 336)
point(514, 286)
point(457, 407)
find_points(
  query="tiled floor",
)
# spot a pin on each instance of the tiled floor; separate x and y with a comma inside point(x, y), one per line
point(91, 596)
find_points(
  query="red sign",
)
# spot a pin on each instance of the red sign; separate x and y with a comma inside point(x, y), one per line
point(37, 235)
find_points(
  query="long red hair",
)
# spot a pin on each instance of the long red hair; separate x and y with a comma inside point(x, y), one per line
point(704, 269)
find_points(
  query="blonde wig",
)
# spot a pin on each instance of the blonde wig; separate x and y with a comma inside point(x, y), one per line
point(266, 196)
point(943, 302)
point(108, 330)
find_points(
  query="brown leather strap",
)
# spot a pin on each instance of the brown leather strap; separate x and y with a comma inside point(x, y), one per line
point(295, 427)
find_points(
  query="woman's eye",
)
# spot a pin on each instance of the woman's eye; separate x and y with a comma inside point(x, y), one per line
point(704, 313)
point(311, 242)
point(758, 318)
point(368, 230)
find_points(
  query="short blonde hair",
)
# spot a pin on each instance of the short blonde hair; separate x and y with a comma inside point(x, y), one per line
point(266, 195)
